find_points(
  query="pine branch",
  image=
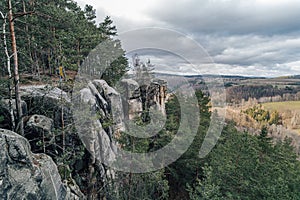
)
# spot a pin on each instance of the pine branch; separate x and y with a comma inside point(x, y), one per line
point(16, 15)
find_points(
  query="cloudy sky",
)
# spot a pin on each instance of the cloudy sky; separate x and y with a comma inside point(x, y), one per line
point(240, 37)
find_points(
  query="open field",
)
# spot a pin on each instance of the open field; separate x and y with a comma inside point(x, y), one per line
point(289, 110)
point(283, 106)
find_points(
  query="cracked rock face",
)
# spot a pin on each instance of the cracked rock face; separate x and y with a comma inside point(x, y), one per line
point(24, 175)
point(140, 98)
point(95, 104)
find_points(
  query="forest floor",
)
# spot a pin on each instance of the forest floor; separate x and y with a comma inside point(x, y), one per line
point(45, 79)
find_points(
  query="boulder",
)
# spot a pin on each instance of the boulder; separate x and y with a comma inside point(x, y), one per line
point(39, 131)
point(51, 102)
point(41, 125)
point(24, 175)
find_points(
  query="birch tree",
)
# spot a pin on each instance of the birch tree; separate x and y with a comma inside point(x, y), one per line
point(8, 66)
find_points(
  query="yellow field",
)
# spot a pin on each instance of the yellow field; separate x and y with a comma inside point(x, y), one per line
point(282, 106)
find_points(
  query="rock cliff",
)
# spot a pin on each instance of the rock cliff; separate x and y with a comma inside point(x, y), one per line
point(63, 127)
point(137, 99)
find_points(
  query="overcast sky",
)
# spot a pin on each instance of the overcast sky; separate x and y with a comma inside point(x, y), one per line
point(242, 37)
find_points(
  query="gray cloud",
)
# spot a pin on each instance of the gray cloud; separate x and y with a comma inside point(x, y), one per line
point(254, 49)
point(254, 38)
point(229, 17)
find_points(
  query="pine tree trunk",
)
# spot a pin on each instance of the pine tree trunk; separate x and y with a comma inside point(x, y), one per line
point(16, 69)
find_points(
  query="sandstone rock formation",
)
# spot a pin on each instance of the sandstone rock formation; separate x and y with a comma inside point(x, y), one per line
point(137, 99)
point(39, 128)
point(49, 101)
point(95, 106)
point(24, 175)
point(40, 124)
point(95, 117)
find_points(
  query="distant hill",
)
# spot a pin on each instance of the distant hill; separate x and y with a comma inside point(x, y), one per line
point(211, 76)
point(289, 77)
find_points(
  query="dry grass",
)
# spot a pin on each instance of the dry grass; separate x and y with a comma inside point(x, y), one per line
point(283, 106)
point(287, 110)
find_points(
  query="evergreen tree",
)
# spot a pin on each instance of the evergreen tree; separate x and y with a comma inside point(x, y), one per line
point(59, 33)
point(107, 28)
point(242, 168)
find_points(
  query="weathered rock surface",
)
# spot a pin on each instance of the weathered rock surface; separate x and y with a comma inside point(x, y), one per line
point(157, 93)
point(99, 114)
point(39, 129)
point(133, 105)
point(137, 99)
point(40, 125)
point(94, 106)
point(24, 175)
point(48, 101)
point(114, 102)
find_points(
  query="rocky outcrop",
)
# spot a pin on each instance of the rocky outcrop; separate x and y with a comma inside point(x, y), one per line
point(93, 119)
point(40, 124)
point(138, 99)
point(51, 102)
point(157, 93)
point(98, 116)
point(114, 104)
point(24, 175)
point(39, 129)
point(133, 105)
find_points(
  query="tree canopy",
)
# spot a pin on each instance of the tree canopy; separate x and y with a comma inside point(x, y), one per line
point(54, 33)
